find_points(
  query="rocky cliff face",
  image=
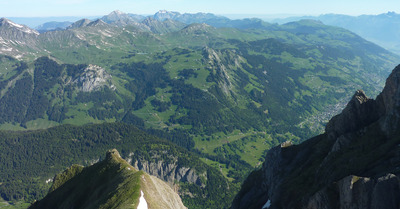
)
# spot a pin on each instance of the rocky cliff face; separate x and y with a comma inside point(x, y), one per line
point(170, 172)
point(93, 78)
point(169, 169)
point(358, 192)
point(14, 36)
point(354, 164)
point(359, 112)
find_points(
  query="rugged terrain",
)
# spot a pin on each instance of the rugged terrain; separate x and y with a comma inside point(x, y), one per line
point(111, 183)
point(268, 83)
point(224, 89)
point(354, 164)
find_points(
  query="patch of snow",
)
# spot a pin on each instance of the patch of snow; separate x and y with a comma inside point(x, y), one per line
point(106, 33)
point(142, 202)
point(267, 205)
point(15, 24)
point(6, 49)
point(22, 28)
point(28, 30)
point(117, 12)
point(80, 36)
point(35, 32)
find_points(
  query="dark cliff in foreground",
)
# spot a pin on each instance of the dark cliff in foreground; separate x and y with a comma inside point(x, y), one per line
point(354, 164)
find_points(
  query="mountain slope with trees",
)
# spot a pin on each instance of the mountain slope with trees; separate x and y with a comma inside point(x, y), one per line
point(225, 93)
point(30, 160)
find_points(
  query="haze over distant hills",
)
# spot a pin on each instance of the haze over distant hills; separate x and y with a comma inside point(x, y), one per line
point(382, 29)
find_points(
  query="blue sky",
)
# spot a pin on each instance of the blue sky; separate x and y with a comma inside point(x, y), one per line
point(46, 8)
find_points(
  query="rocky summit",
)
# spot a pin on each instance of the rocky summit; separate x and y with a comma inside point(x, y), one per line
point(354, 164)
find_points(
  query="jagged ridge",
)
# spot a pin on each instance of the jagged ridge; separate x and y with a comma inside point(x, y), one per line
point(354, 164)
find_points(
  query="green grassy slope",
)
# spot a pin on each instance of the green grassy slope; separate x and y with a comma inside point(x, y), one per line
point(107, 184)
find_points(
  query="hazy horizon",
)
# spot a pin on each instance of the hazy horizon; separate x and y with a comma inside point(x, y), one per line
point(36, 21)
point(57, 8)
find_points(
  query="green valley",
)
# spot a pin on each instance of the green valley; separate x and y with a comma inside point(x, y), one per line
point(227, 94)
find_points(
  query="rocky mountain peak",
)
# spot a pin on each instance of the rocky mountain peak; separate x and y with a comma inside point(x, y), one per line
point(362, 111)
point(117, 16)
point(80, 23)
point(113, 154)
point(117, 12)
point(3, 21)
point(359, 112)
point(8, 24)
point(13, 36)
point(163, 11)
point(164, 14)
point(197, 28)
point(360, 97)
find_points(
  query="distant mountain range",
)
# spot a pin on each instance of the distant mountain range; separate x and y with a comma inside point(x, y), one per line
point(381, 29)
point(119, 18)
